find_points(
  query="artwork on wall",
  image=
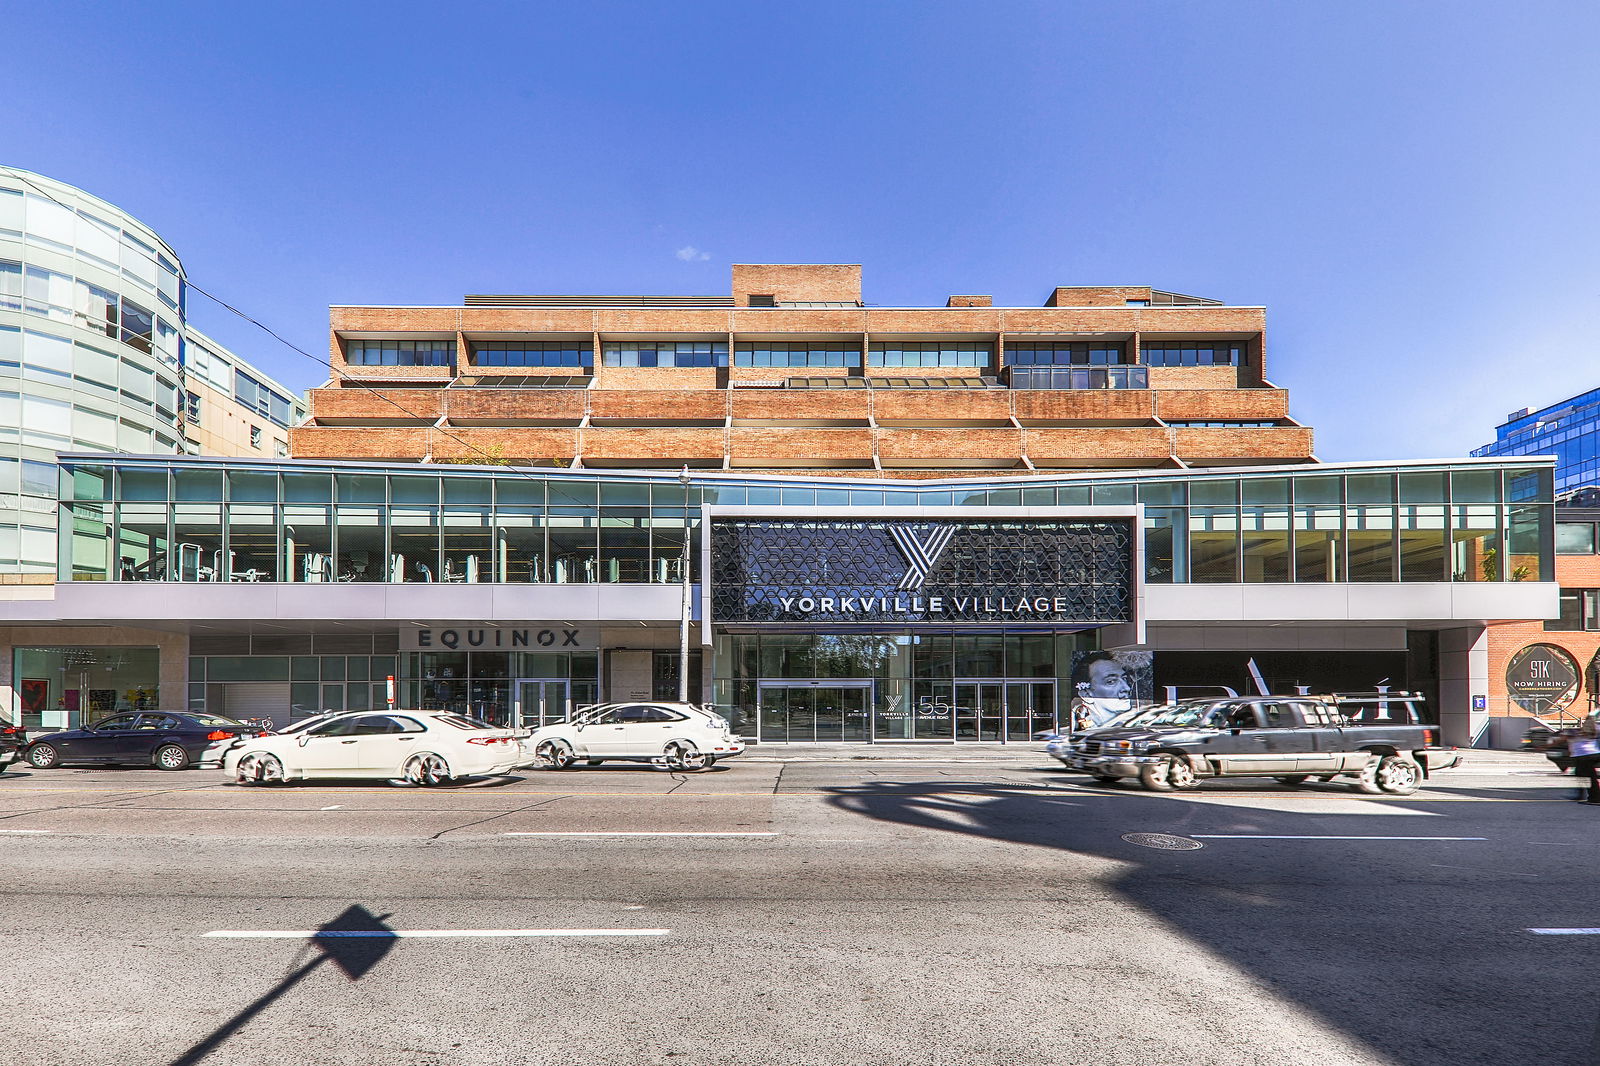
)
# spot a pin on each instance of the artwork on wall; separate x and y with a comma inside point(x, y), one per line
point(35, 693)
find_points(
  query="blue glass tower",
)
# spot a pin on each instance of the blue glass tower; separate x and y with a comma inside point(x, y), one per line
point(1568, 430)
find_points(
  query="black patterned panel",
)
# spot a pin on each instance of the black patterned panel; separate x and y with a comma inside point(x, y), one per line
point(1020, 571)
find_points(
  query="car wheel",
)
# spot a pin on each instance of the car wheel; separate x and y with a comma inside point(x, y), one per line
point(1170, 773)
point(1398, 775)
point(1292, 779)
point(172, 757)
point(428, 770)
point(554, 755)
point(259, 768)
point(682, 755)
point(44, 756)
point(1367, 779)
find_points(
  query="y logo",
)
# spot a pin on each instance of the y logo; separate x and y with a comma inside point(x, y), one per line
point(921, 552)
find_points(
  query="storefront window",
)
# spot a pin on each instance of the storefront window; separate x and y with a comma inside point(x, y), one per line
point(66, 687)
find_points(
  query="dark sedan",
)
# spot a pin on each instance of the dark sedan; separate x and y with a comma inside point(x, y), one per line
point(169, 740)
point(13, 738)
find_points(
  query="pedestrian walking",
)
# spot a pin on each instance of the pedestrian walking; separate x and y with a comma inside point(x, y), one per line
point(1583, 751)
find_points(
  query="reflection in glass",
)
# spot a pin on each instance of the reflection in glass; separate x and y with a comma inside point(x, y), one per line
point(252, 543)
point(1264, 541)
point(1370, 543)
point(1422, 543)
point(197, 543)
point(519, 545)
point(307, 544)
point(1475, 544)
point(1213, 544)
point(468, 546)
point(414, 536)
point(362, 552)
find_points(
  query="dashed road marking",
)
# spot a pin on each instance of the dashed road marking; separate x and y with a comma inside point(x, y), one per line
point(406, 934)
point(1270, 836)
point(638, 834)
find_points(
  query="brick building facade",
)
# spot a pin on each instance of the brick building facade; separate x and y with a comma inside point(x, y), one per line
point(793, 372)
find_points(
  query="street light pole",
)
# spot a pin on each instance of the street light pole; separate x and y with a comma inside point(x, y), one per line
point(683, 627)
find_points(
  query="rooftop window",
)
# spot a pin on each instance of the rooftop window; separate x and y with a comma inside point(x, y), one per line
point(780, 353)
point(666, 353)
point(400, 353)
point(930, 353)
point(1066, 353)
point(532, 353)
point(1195, 353)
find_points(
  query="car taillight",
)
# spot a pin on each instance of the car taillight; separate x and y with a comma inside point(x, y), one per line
point(1427, 737)
point(10, 729)
point(488, 740)
point(217, 734)
point(265, 733)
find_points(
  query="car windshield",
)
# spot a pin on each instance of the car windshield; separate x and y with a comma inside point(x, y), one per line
point(1188, 715)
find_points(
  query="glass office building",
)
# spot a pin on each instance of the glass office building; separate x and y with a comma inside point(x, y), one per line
point(96, 354)
point(821, 609)
point(1568, 430)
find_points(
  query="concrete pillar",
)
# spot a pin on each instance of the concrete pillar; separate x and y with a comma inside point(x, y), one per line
point(1463, 675)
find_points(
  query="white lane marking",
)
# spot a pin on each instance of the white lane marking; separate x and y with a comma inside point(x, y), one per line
point(27, 830)
point(330, 934)
point(335, 807)
point(1565, 932)
point(608, 834)
point(1266, 836)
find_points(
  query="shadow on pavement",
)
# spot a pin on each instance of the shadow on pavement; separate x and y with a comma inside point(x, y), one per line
point(355, 941)
point(1420, 953)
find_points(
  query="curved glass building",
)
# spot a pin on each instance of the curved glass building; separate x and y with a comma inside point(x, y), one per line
point(95, 349)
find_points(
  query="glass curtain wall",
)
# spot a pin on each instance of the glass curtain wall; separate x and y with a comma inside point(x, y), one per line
point(139, 522)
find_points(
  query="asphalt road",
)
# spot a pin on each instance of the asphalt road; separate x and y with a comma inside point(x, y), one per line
point(847, 912)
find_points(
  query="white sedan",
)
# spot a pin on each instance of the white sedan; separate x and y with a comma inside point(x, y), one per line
point(678, 736)
point(422, 747)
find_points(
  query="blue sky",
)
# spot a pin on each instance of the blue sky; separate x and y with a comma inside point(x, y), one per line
point(1408, 187)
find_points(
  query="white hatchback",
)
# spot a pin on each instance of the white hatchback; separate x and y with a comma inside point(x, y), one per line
point(422, 747)
point(678, 736)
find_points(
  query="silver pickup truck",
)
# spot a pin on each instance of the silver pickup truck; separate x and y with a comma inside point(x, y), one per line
point(1291, 738)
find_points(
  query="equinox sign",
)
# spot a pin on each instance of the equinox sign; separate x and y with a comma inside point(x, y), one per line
point(921, 553)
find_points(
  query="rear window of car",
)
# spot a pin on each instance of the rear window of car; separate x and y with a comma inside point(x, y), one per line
point(462, 723)
point(215, 722)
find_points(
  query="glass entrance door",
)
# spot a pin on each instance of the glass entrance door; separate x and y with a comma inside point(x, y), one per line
point(1011, 711)
point(980, 710)
point(805, 712)
point(1030, 709)
point(541, 701)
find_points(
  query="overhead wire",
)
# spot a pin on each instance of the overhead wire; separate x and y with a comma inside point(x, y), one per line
point(346, 380)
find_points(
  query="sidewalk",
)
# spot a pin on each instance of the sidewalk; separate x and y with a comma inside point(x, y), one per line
point(1472, 759)
point(1032, 751)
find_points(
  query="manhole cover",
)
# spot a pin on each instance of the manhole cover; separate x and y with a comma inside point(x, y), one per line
point(1163, 841)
